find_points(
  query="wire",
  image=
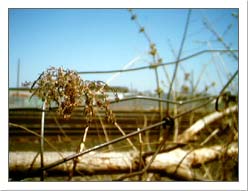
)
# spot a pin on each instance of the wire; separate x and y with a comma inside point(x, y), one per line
point(158, 65)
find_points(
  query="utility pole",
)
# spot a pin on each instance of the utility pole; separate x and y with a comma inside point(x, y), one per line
point(18, 73)
point(18, 77)
point(18, 81)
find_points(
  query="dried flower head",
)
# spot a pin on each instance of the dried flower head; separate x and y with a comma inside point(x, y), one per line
point(68, 90)
point(95, 95)
point(61, 86)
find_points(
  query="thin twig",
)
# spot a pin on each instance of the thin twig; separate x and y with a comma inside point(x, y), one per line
point(124, 134)
point(60, 127)
point(80, 148)
point(178, 58)
point(32, 163)
point(209, 137)
point(141, 162)
point(148, 164)
point(180, 162)
point(219, 38)
point(105, 131)
point(38, 135)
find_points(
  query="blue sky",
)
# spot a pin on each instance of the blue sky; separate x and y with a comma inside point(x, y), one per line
point(107, 39)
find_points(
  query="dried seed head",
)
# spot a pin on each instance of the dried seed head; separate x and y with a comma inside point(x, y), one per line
point(68, 90)
point(60, 86)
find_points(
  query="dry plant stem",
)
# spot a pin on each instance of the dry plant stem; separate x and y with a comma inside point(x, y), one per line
point(82, 145)
point(194, 88)
point(42, 140)
point(174, 94)
point(105, 132)
point(147, 137)
point(79, 149)
point(219, 38)
point(178, 165)
point(160, 106)
point(207, 173)
point(224, 157)
point(199, 79)
point(178, 57)
point(166, 74)
point(210, 137)
point(36, 134)
point(32, 163)
point(147, 165)
point(156, 60)
point(176, 123)
point(141, 162)
point(124, 134)
point(60, 128)
point(220, 66)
